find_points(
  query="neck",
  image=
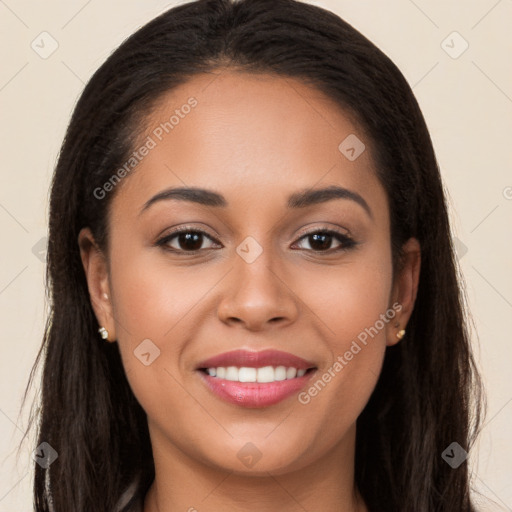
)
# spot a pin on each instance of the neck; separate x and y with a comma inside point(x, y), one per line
point(183, 483)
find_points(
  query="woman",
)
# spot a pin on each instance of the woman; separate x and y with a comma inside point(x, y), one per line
point(255, 303)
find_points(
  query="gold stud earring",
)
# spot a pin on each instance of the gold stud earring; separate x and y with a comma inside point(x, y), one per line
point(103, 332)
point(400, 334)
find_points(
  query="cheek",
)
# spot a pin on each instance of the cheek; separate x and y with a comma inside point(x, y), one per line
point(350, 299)
point(153, 307)
point(152, 296)
point(357, 302)
point(353, 306)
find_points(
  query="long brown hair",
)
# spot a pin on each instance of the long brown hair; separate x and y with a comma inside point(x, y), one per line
point(429, 393)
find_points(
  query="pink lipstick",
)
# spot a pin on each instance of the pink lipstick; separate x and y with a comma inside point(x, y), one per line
point(255, 379)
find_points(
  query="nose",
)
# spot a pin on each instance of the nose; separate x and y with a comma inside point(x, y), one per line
point(258, 295)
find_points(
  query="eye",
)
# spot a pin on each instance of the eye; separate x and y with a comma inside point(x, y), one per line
point(185, 240)
point(321, 240)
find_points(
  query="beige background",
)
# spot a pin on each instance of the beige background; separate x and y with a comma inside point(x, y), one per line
point(467, 102)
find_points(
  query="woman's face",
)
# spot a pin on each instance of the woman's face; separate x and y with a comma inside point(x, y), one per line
point(260, 147)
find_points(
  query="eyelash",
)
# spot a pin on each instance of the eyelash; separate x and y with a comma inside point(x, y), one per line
point(346, 241)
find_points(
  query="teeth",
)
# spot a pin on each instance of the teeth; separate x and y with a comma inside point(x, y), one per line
point(247, 374)
point(264, 374)
point(231, 373)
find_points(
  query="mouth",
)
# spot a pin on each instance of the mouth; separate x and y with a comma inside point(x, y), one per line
point(255, 379)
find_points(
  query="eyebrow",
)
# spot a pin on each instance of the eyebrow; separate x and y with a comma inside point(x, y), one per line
point(301, 199)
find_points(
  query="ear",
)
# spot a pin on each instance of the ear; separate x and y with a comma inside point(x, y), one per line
point(96, 272)
point(404, 290)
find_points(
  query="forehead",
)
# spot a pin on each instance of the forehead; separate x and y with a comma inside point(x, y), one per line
point(251, 136)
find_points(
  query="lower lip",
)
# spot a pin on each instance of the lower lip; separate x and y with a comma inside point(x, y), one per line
point(255, 394)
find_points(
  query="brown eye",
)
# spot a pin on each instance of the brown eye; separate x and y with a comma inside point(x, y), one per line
point(321, 241)
point(185, 240)
point(190, 241)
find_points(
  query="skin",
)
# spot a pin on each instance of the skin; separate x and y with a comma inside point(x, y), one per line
point(255, 139)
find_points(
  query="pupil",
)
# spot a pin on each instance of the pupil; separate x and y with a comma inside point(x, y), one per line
point(326, 241)
point(186, 241)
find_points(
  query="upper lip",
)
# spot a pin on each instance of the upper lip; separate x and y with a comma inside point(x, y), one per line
point(256, 359)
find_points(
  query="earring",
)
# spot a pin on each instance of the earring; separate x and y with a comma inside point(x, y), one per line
point(400, 334)
point(103, 332)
